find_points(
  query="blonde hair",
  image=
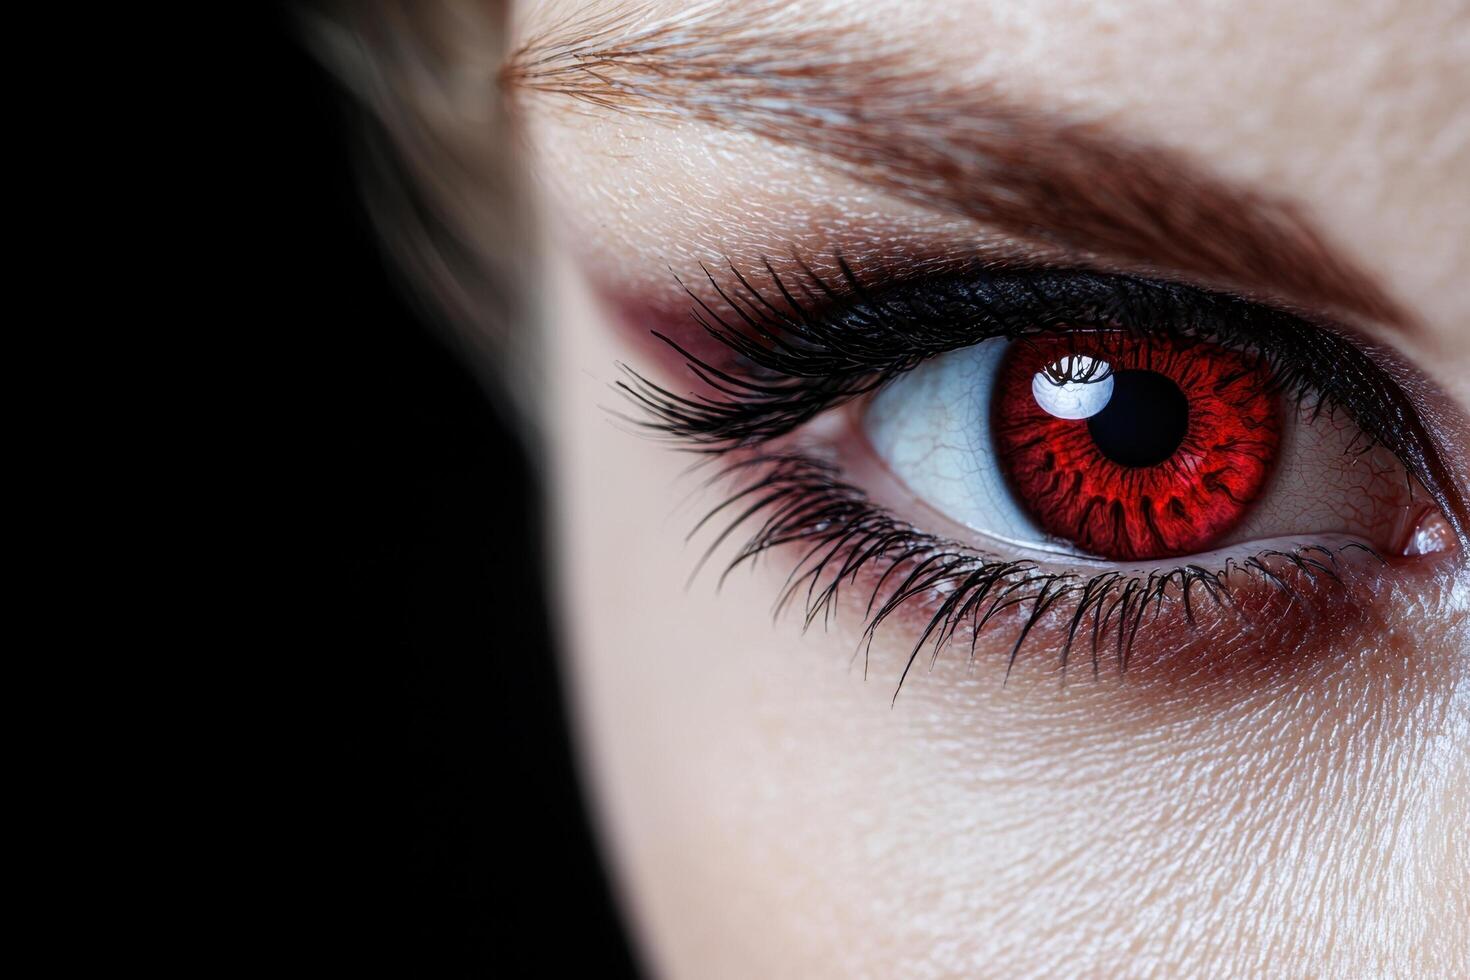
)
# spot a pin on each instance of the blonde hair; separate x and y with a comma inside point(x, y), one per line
point(438, 168)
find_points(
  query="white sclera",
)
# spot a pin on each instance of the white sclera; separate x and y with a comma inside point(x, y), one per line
point(932, 427)
point(1074, 399)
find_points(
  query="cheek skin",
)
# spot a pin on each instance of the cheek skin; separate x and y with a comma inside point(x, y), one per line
point(770, 812)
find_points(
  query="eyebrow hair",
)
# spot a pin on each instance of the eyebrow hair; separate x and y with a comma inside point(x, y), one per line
point(886, 120)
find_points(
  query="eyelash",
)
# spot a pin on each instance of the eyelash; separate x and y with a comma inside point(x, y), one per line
point(815, 344)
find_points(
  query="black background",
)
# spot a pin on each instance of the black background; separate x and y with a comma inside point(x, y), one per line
point(434, 822)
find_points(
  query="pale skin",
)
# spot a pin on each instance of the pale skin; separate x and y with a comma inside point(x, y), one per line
point(770, 811)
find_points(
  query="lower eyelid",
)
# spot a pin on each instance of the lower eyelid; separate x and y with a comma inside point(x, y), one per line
point(1274, 612)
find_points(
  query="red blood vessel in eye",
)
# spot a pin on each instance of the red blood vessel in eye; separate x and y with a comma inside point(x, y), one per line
point(1160, 453)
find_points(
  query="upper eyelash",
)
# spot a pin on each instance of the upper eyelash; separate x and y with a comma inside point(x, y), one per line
point(817, 343)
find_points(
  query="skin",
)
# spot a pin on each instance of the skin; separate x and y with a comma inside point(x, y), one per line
point(1237, 810)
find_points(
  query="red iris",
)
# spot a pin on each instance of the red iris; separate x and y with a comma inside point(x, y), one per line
point(1172, 460)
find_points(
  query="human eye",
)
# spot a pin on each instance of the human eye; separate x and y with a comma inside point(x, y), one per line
point(892, 262)
point(1085, 463)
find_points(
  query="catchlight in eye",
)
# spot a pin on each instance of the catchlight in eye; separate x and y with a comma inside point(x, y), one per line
point(1073, 387)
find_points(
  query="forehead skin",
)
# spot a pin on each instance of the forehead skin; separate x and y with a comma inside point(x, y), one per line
point(771, 815)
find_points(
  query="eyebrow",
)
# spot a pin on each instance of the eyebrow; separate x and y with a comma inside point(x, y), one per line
point(881, 117)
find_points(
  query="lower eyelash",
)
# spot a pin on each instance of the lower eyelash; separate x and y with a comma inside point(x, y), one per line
point(794, 500)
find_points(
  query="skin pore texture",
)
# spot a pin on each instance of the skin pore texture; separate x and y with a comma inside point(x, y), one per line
point(1247, 809)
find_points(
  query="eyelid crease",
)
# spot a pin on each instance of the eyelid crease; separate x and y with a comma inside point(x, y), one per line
point(887, 120)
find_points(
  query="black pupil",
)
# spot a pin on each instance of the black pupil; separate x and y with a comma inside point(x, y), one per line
point(1144, 422)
